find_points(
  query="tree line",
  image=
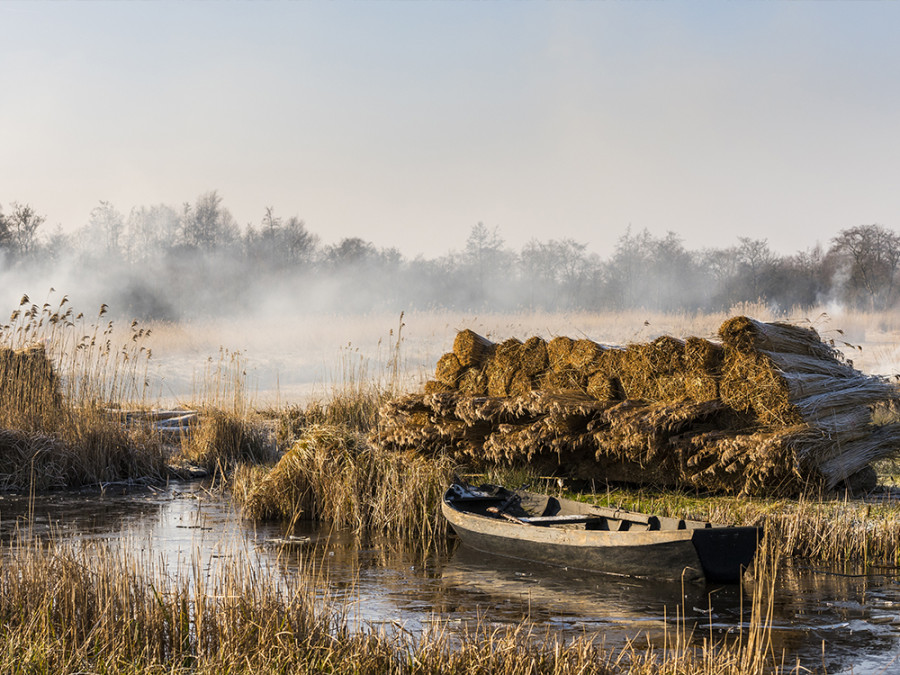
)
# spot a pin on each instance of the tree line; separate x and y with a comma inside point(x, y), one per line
point(167, 262)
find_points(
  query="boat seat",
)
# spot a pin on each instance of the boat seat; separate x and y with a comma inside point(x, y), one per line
point(556, 520)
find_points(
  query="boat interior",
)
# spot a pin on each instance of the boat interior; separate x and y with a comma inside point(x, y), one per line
point(527, 508)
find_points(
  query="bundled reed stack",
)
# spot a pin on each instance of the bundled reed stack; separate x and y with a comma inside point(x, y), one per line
point(769, 408)
point(29, 389)
point(807, 398)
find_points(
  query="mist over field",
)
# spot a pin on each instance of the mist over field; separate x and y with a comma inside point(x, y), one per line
point(166, 263)
point(297, 311)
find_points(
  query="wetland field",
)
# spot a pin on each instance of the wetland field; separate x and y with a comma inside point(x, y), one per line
point(266, 530)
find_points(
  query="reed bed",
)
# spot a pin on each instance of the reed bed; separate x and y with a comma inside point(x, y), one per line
point(93, 610)
point(222, 440)
point(61, 380)
point(334, 474)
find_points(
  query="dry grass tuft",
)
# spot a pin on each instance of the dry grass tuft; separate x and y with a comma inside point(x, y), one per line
point(222, 440)
point(333, 474)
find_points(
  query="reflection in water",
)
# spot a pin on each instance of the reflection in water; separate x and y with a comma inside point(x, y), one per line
point(189, 529)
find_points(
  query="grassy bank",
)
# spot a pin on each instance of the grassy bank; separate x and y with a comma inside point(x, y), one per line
point(63, 380)
point(92, 610)
point(825, 530)
point(75, 407)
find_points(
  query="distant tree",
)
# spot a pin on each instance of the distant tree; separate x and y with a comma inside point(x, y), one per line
point(208, 225)
point(299, 243)
point(149, 231)
point(554, 271)
point(869, 257)
point(22, 225)
point(58, 245)
point(675, 282)
point(271, 223)
point(653, 273)
point(5, 233)
point(742, 273)
point(279, 244)
point(800, 280)
point(106, 225)
point(756, 261)
point(350, 252)
point(485, 258)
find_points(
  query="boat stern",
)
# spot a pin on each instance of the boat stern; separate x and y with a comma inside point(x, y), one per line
point(725, 552)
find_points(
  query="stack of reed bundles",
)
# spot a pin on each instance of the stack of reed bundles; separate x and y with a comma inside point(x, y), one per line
point(768, 408)
point(30, 393)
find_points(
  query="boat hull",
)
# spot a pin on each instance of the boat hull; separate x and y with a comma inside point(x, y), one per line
point(691, 554)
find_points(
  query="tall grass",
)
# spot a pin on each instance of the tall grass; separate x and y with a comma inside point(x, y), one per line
point(90, 609)
point(228, 432)
point(61, 379)
point(334, 474)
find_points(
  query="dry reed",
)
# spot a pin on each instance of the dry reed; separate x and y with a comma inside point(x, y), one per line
point(334, 474)
point(818, 530)
point(222, 440)
point(772, 409)
point(89, 609)
point(60, 378)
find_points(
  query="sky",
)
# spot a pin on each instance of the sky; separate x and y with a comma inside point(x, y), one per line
point(408, 122)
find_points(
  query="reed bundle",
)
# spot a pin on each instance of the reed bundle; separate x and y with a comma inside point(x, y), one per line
point(769, 408)
point(30, 394)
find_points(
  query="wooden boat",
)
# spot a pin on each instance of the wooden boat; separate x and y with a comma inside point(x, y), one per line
point(528, 526)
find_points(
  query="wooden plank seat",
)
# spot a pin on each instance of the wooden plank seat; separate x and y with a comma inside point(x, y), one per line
point(594, 522)
point(554, 520)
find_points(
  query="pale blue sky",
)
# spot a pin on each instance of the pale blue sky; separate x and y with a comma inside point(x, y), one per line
point(406, 123)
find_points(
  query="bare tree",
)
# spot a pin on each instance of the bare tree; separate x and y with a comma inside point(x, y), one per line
point(756, 262)
point(208, 225)
point(106, 225)
point(151, 231)
point(870, 256)
point(485, 256)
point(5, 234)
point(554, 270)
point(22, 225)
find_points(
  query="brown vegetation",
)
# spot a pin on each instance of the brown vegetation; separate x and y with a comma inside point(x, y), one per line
point(89, 609)
point(334, 474)
point(60, 381)
point(221, 440)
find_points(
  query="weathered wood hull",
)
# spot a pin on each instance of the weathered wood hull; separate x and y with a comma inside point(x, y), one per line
point(679, 550)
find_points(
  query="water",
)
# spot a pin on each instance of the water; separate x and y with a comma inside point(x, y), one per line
point(846, 620)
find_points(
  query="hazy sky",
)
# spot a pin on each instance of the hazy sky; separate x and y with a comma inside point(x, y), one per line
point(406, 123)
